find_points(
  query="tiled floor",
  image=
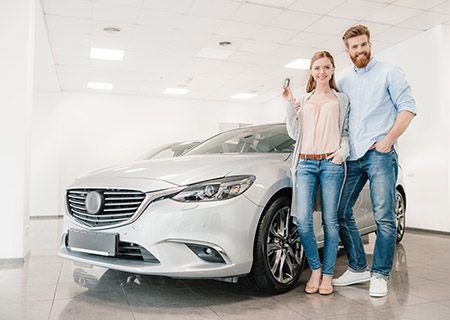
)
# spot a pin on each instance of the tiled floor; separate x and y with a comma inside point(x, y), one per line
point(44, 288)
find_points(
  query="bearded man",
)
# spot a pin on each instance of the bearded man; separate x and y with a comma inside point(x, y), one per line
point(381, 109)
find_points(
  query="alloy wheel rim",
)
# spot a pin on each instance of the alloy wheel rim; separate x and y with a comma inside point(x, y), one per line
point(399, 215)
point(284, 251)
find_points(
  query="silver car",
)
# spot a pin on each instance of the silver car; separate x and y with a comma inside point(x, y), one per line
point(169, 150)
point(221, 211)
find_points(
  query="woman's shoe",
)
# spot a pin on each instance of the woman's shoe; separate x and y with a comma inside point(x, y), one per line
point(311, 290)
point(328, 289)
point(325, 291)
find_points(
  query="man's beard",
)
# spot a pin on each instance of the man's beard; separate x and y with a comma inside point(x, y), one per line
point(361, 63)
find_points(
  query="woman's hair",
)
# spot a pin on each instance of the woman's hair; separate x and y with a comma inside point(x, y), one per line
point(356, 31)
point(311, 85)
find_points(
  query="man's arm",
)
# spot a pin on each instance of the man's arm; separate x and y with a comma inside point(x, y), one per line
point(401, 124)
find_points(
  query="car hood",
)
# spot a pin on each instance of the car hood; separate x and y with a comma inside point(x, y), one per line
point(187, 169)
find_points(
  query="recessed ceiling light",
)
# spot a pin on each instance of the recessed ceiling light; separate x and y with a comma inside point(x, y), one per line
point(107, 54)
point(243, 96)
point(112, 29)
point(176, 91)
point(211, 53)
point(299, 64)
point(100, 85)
point(224, 43)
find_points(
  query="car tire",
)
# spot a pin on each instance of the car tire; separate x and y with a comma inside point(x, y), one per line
point(400, 219)
point(278, 255)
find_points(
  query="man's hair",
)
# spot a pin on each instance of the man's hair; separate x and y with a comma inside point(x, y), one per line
point(355, 31)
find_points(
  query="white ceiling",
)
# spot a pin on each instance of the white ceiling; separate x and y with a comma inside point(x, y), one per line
point(162, 39)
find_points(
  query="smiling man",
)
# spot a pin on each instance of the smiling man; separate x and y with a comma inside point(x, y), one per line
point(381, 109)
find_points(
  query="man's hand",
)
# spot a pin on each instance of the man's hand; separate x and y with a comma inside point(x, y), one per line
point(384, 145)
point(337, 158)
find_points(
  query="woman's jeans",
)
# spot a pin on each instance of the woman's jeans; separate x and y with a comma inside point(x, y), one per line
point(381, 169)
point(330, 176)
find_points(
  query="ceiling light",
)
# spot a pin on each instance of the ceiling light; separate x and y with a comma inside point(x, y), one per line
point(243, 96)
point(224, 43)
point(111, 29)
point(299, 64)
point(107, 54)
point(211, 53)
point(176, 91)
point(100, 85)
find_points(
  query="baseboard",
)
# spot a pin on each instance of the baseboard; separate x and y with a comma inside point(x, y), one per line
point(45, 217)
point(419, 230)
point(12, 261)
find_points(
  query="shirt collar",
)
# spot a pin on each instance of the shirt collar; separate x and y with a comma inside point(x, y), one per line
point(367, 68)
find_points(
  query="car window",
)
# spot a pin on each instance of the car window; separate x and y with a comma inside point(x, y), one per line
point(169, 151)
point(262, 139)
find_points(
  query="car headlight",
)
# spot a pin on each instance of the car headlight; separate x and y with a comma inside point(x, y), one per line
point(217, 189)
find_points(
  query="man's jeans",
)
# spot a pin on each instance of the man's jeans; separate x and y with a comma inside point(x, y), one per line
point(331, 177)
point(381, 169)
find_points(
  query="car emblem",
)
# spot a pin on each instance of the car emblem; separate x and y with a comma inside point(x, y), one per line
point(94, 202)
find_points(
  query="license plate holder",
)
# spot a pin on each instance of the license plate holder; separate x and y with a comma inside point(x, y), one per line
point(100, 243)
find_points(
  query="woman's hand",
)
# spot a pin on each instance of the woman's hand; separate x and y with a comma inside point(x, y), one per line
point(337, 158)
point(297, 105)
point(287, 94)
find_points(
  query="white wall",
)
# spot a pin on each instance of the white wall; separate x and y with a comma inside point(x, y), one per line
point(16, 83)
point(44, 197)
point(424, 148)
point(98, 130)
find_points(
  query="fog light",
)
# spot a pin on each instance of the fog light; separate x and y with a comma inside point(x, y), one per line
point(206, 253)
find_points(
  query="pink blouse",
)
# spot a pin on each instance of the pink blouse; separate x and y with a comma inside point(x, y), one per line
point(320, 123)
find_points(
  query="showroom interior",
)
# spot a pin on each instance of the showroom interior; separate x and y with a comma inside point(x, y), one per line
point(189, 69)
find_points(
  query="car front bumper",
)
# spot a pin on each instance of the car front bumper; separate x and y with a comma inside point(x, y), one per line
point(168, 229)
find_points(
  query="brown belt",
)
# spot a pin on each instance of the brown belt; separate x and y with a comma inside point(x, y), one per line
point(314, 156)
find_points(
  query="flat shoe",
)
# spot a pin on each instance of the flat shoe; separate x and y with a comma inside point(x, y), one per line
point(311, 290)
point(325, 291)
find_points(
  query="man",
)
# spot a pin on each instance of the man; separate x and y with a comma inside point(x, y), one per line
point(381, 108)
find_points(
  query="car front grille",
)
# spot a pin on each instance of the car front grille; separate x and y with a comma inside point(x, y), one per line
point(118, 206)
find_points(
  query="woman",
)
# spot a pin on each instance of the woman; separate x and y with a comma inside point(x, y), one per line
point(319, 125)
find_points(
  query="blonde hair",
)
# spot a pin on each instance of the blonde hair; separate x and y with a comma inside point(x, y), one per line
point(311, 85)
point(355, 31)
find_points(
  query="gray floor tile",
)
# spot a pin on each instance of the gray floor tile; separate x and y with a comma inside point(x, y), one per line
point(48, 287)
point(36, 310)
point(428, 310)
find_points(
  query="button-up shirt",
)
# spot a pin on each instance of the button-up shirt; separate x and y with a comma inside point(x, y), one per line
point(377, 94)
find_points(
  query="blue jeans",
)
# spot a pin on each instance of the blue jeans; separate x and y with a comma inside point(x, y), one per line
point(381, 169)
point(330, 176)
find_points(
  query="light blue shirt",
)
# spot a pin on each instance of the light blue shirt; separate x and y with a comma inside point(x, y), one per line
point(377, 94)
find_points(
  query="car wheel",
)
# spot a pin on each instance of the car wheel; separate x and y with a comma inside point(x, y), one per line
point(278, 254)
point(400, 209)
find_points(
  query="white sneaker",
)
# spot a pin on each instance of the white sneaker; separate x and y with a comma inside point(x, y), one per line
point(351, 277)
point(378, 287)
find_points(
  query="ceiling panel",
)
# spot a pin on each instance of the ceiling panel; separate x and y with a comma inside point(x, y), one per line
point(161, 40)
point(318, 7)
point(294, 20)
point(425, 20)
point(419, 4)
point(444, 7)
point(323, 25)
point(393, 15)
point(256, 14)
point(356, 9)
point(214, 8)
point(68, 8)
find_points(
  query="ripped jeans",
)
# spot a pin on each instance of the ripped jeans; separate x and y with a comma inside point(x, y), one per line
point(331, 176)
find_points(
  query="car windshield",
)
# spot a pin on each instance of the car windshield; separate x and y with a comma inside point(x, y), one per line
point(260, 139)
point(169, 151)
